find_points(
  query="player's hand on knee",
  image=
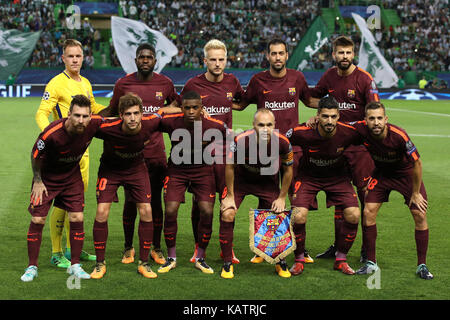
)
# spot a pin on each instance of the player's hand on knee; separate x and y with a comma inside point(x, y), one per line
point(227, 203)
point(37, 191)
point(419, 201)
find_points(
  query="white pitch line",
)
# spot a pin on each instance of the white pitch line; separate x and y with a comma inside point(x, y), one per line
point(425, 135)
point(430, 135)
point(421, 112)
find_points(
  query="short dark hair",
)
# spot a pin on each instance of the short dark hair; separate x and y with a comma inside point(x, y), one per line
point(191, 95)
point(81, 101)
point(373, 105)
point(276, 41)
point(328, 102)
point(129, 100)
point(144, 46)
point(343, 41)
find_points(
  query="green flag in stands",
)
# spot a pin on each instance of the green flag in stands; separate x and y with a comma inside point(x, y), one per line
point(15, 49)
point(316, 36)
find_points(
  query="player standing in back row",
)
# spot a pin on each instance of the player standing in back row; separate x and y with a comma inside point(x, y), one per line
point(217, 90)
point(353, 88)
point(279, 89)
point(158, 94)
point(56, 100)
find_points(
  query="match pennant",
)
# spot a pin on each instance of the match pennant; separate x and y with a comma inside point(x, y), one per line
point(271, 234)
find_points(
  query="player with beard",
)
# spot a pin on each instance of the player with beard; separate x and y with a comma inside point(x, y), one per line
point(158, 95)
point(323, 168)
point(55, 160)
point(353, 88)
point(217, 90)
point(279, 89)
point(397, 167)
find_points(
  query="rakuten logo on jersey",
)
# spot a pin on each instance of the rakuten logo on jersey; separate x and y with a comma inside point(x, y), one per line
point(150, 109)
point(214, 111)
point(276, 106)
point(346, 106)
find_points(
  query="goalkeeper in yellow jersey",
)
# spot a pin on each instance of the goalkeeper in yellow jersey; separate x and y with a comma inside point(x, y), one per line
point(56, 101)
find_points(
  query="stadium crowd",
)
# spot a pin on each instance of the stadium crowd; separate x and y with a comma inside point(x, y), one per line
point(189, 24)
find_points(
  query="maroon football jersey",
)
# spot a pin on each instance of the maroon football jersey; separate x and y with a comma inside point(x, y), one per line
point(324, 157)
point(281, 95)
point(352, 92)
point(155, 94)
point(394, 155)
point(123, 151)
point(61, 152)
point(217, 97)
point(190, 152)
point(245, 154)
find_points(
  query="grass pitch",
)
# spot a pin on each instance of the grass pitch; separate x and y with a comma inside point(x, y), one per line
point(427, 122)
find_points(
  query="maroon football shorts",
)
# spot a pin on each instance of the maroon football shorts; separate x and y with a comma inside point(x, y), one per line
point(297, 155)
point(68, 196)
point(361, 165)
point(219, 176)
point(266, 192)
point(134, 180)
point(339, 192)
point(380, 187)
point(199, 179)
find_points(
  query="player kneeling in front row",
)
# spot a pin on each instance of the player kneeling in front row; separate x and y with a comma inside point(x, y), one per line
point(323, 167)
point(122, 163)
point(397, 167)
point(247, 172)
point(56, 176)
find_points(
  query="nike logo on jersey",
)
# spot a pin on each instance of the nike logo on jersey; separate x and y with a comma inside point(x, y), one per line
point(203, 96)
point(266, 91)
point(331, 90)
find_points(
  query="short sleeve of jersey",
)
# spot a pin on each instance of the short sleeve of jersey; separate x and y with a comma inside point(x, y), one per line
point(407, 145)
point(368, 86)
point(302, 86)
point(286, 152)
point(249, 96)
point(320, 89)
point(152, 122)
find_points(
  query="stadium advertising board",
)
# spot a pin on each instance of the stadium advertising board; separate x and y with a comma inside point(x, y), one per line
point(32, 90)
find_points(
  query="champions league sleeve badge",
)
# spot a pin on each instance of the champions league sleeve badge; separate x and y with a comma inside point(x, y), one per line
point(271, 234)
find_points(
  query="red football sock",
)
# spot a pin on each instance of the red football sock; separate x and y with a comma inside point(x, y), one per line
point(129, 220)
point(195, 219)
point(34, 239)
point(369, 241)
point(145, 232)
point(338, 219)
point(204, 232)
point(300, 238)
point(421, 245)
point(76, 241)
point(170, 231)
point(100, 237)
point(226, 240)
point(347, 236)
point(157, 226)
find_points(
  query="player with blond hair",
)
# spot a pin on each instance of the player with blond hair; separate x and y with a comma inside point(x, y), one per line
point(217, 90)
